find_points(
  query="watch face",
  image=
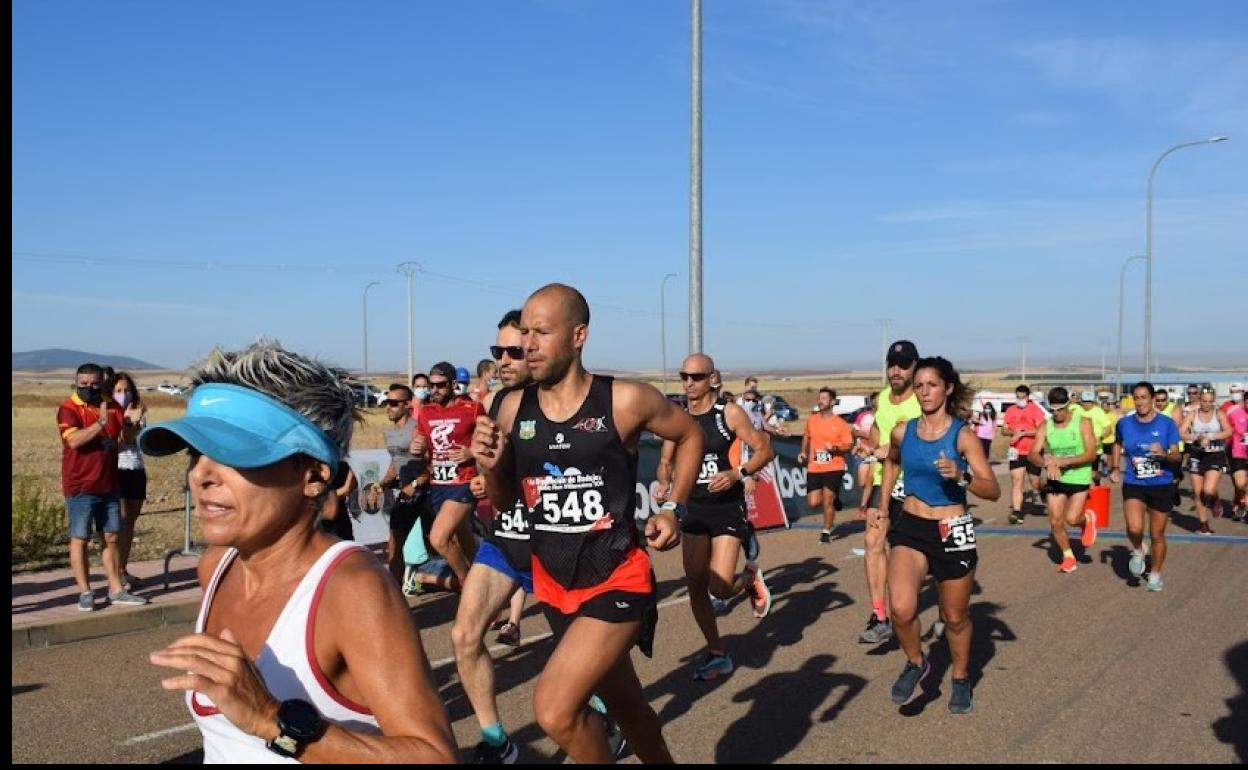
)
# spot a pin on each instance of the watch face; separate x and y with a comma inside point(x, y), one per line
point(299, 719)
point(285, 745)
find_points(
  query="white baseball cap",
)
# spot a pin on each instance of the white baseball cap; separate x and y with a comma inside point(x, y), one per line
point(1088, 395)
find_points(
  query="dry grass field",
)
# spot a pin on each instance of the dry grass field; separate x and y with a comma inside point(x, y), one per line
point(37, 451)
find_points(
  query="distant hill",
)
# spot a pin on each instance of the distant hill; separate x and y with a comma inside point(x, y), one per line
point(59, 358)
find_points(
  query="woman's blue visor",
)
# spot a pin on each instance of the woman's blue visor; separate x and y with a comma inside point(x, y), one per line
point(241, 428)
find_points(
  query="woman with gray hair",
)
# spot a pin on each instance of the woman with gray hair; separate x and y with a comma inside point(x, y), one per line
point(277, 670)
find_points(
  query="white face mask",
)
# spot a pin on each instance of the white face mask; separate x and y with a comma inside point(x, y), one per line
point(460, 388)
point(1237, 397)
point(422, 394)
point(1022, 402)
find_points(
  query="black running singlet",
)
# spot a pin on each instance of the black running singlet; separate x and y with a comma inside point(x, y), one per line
point(717, 439)
point(578, 482)
point(509, 532)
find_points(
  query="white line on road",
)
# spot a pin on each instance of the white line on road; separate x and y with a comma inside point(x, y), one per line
point(159, 734)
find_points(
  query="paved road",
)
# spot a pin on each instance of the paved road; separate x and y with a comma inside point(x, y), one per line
point(1070, 668)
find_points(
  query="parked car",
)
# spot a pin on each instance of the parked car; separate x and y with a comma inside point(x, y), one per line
point(171, 390)
point(782, 409)
point(367, 395)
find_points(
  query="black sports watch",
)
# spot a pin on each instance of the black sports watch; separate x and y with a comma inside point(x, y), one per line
point(298, 722)
point(967, 478)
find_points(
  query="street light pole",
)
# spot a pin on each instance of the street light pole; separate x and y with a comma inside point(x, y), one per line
point(1024, 340)
point(1148, 250)
point(885, 325)
point(695, 187)
point(663, 325)
point(1122, 277)
point(366, 288)
point(409, 269)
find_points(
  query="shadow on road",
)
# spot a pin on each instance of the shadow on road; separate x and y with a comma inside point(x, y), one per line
point(1233, 728)
point(797, 695)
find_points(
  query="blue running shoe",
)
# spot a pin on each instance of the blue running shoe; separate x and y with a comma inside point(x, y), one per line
point(960, 697)
point(906, 688)
point(714, 666)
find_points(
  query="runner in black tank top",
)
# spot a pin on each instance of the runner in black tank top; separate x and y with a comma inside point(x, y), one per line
point(568, 446)
point(716, 524)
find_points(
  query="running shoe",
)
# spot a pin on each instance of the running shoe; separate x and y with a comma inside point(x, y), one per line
point(411, 586)
point(498, 624)
point(877, 631)
point(1016, 517)
point(615, 736)
point(760, 594)
point(487, 754)
point(1136, 565)
point(1088, 538)
point(86, 601)
point(1203, 529)
point(1154, 581)
point(718, 605)
point(126, 598)
point(825, 536)
point(906, 688)
point(1068, 565)
point(509, 635)
point(713, 666)
point(960, 697)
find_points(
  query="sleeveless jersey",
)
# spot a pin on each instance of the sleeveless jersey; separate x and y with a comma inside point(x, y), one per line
point(578, 482)
point(509, 531)
point(288, 665)
point(717, 438)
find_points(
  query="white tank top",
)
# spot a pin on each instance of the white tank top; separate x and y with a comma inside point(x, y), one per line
point(288, 664)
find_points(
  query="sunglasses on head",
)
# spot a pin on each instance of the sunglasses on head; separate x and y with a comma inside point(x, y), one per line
point(695, 376)
point(515, 352)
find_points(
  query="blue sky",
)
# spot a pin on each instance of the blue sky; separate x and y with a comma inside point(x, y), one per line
point(187, 175)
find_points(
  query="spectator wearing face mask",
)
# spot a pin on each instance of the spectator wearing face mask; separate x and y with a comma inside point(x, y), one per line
point(420, 392)
point(487, 379)
point(91, 427)
point(131, 475)
point(462, 380)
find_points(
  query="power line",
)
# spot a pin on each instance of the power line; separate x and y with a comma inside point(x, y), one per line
point(212, 266)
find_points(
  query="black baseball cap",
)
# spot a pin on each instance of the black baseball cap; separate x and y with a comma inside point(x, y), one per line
point(902, 353)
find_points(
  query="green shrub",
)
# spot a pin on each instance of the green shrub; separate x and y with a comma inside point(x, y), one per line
point(39, 524)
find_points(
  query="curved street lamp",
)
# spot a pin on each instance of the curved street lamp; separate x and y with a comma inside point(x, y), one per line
point(1148, 251)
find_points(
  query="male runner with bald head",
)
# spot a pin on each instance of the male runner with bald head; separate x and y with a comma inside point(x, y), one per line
point(567, 444)
point(716, 524)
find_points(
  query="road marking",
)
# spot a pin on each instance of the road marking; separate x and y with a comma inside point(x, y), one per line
point(159, 734)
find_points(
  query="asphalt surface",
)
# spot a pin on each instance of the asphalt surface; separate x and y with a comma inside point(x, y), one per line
point(1086, 667)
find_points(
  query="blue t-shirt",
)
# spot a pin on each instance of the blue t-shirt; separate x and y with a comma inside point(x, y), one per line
point(1143, 468)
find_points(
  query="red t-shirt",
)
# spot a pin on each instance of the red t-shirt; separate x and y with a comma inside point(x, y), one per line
point(92, 467)
point(447, 428)
point(1023, 418)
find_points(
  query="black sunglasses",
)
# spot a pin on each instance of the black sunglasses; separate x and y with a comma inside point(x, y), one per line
point(514, 351)
point(442, 384)
point(396, 401)
point(695, 376)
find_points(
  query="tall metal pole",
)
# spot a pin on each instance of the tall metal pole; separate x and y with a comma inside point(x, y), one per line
point(1148, 251)
point(695, 189)
point(886, 324)
point(1122, 277)
point(366, 288)
point(663, 325)
point(409, 269)
point(1024, 377)
point(1102, 362)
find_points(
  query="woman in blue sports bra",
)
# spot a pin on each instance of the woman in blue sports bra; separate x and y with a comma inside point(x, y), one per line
point(942, 458)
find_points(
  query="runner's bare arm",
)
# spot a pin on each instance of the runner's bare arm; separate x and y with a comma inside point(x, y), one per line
point(1035, 456)
point(759, 443)
point(492, 451)
point(983, 482)
point(663, 474)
